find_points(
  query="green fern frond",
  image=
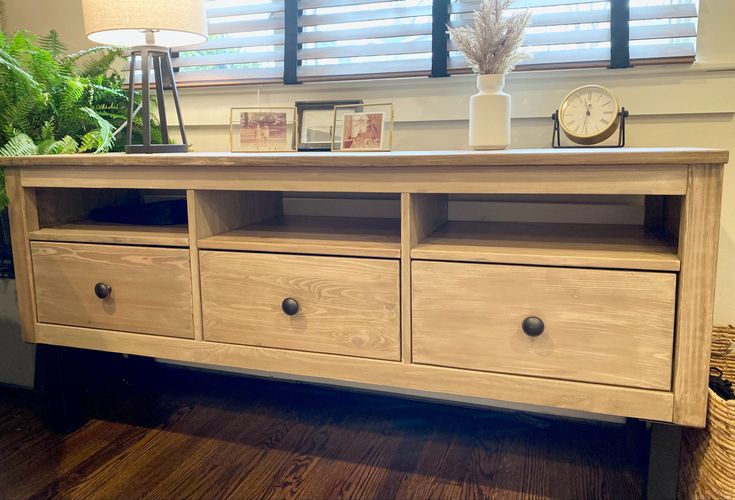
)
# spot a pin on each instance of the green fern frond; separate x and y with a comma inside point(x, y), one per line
point(18, 115)
point(52, 43)
point(10, 63)
point(47, 130)
point(67, 145)
point(97, 66)
point(20, 145)
point(43, 145)
point(106, 131)
point(73, 93)
point(71, 59)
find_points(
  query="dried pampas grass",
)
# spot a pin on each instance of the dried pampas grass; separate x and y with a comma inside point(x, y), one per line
point(492, 43)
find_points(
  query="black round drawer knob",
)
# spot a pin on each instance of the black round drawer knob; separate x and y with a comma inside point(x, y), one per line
point(102, 290)
point(290, 306)
point(533, 326)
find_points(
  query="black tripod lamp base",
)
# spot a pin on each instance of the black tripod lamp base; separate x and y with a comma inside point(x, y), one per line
point(157, 59)
point(156, 148)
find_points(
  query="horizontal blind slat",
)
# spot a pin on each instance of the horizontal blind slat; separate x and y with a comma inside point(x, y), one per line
point(320, 4)
point(365, 33)
point(560, 37)
point(244, 10)
point(274, 74)
point(275, 22)
point(356, 69)
point(663, 11)
point(236, 42)
point(471, 5)
point(367, 15)
point(663, 51)
point(550, 19)
point(678, 30)
point(233, 58)
point(373, 49)
point(602, 55)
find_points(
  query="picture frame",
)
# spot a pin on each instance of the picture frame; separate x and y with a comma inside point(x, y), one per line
point(262, 129)
point(315, 123)
point(363, 127)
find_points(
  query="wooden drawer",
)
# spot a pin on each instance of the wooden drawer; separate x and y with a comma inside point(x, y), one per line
point(611, 327)
point(150, 287)
point(345, 306)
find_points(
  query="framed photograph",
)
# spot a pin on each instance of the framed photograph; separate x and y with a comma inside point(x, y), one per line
point(315, 122)
point(262, 129)
point(363, 127)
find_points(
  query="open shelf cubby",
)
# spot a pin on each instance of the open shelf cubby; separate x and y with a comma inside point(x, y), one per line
point(304, 223)
point(64, 216)
point(640, 246)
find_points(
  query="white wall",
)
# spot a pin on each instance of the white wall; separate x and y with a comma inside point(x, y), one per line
point(670, 106)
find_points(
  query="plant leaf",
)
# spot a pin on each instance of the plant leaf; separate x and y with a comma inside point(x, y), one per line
point(19, 145)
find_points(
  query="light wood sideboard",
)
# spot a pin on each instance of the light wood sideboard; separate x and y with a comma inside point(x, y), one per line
point(605, 318)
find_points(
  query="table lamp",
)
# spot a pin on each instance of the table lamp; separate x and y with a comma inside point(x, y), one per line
point(150, 28)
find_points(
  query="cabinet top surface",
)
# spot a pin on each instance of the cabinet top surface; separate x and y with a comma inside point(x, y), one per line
point(519, 157)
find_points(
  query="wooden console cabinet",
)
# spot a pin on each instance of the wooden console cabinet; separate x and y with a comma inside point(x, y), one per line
point(604, 318)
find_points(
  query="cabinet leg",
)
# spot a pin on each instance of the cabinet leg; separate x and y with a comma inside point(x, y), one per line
point(663, 462)
point(66, 376)
point(60, 385)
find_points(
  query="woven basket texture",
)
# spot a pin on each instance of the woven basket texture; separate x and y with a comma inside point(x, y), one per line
point(707, 468)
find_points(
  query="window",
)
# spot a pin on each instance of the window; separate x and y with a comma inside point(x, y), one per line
point(254, 41)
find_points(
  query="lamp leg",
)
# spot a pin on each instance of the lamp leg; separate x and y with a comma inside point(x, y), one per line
point(131, 97)
point(158, 59)
point(146, 96)
point(174, 91)
point(158, 74)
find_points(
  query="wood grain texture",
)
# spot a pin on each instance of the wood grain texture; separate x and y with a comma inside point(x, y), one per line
point(201, 435)
point(120, 234)
point(439, 381)
point(534, 179)
point(421, 214)
point(698, 246)
point(346, 236)
point(579, 245)
point(151, 287)
point(346, 306)
point(218, 212)
point(519, 157)
point(23, 218)
point(196, 287)
point(609, 327)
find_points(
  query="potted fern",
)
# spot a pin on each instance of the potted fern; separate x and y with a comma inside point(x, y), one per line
point(52, 102)
point(492, 46)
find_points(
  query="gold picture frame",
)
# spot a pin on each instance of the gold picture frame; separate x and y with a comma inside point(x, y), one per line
point(363, 127)
point(262, 129)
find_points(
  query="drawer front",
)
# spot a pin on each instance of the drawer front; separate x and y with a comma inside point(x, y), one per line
point(150, 288)
point(345, 306)
point(610, 327)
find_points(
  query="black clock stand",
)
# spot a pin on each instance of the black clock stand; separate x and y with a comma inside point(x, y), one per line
point(556, 134)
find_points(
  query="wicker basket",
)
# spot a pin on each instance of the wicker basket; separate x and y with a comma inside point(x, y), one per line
point(708, 455)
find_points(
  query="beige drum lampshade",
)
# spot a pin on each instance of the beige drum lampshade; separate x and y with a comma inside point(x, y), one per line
point(124, 22)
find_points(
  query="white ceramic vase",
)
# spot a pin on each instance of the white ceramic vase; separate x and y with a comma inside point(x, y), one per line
point(490, 114)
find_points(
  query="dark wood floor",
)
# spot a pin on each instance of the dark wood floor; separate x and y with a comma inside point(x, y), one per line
point(202, 435)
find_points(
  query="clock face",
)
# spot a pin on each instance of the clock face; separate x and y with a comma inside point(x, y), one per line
point(589, 114)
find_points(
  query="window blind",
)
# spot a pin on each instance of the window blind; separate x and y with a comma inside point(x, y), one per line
point(249, 40)
point(562, 33)
point(359, 38)
point(663, 31)
point(246, 43)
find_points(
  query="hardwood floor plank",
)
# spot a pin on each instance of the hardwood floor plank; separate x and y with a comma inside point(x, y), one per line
point(201, 435)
